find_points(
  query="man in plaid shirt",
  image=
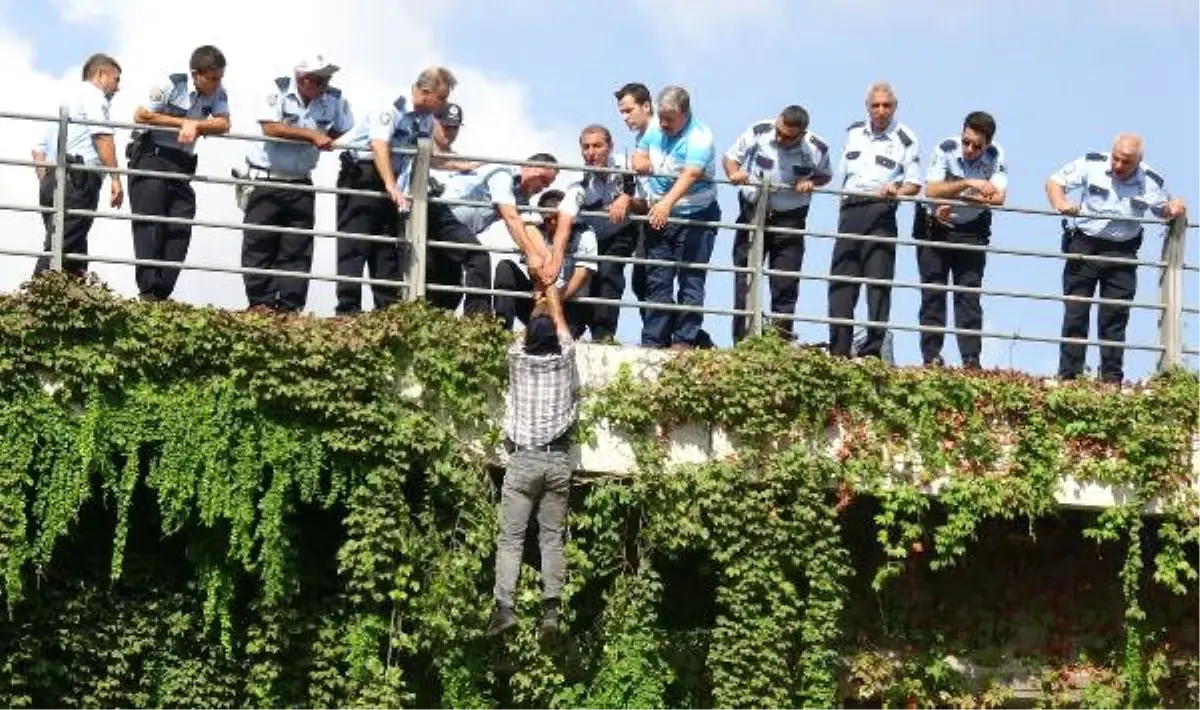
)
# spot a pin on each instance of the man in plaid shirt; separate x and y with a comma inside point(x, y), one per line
point(541, 412)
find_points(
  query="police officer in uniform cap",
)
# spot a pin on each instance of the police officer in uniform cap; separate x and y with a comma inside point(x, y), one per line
point(196, 105)
point(615, 234)
point(505, 187)
point(85, 145)
point(881, 159)
point(796, 161)
point(969, 167)
point(302, 107)
point(1115, 184)
point(373, 162)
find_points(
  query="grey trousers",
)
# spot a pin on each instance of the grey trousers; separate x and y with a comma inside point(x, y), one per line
point(538, 480)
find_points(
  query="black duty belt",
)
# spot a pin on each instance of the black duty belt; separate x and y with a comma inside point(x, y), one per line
point(561, 444)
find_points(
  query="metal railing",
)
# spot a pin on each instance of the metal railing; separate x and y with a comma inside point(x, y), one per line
point(1169, 306)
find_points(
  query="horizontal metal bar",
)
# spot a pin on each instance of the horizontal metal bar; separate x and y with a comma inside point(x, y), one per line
point(458, 202)
point(1191, 351)
point(10, 251)
point(237, 226)
point(950, 288)
point(648, 305)
point(227, 269)
point(1191, 267)
point(12, 207)
point(1191, 310)
point(981, 333)
point(459, 246)
point(213, 179)
point(906, 241)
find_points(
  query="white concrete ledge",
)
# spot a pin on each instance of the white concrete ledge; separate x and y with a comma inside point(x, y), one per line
point(694, 443)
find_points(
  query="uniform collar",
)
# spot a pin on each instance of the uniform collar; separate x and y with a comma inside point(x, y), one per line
point(887, 131)
point(1138, 176)
point(89, 85)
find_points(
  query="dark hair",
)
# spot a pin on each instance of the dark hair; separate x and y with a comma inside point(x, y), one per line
point(550, 199)
point(541, 337)
point(207, 58)
point(96, 62)
point(542, 158)
point(635, 90)
point(981, 122)
point(794, 117)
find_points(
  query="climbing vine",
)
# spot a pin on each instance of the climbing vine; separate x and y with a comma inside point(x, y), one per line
point(207, 508)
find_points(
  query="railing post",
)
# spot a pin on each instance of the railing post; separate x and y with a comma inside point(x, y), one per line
point(1170, 288)
point(418, 220)
point(60, 190)
point(755, 260)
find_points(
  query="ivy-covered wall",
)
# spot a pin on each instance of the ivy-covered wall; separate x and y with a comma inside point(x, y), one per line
point(208, 508)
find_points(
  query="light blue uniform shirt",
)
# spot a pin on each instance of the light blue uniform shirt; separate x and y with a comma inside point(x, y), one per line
point(177, 96)
point(872, 160)
point(90, 104)
point(949, 165)
point(398, 126)
point(1111, 198)
point(47, 145)
point(759, 154)
point(328, 113)
point(692, 148)
point(488, 183)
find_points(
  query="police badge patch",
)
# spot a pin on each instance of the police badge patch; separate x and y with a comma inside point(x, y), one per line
point(158, 94)
point(273, 99)
point(385, 118)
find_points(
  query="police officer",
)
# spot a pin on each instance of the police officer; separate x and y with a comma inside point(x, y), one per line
point(196, 105)
point(446, 127)
point(968, 167)
point(374, 162)
point(615, 234)
point(505, 187)
point(85, 145)
point(1115, 184)
point(305, 109)
point(881, 160)
point(795, 161)
point(573, 278)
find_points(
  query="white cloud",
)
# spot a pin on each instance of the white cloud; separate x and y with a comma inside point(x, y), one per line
point(380, 44)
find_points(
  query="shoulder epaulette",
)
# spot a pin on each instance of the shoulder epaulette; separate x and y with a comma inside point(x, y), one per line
point(856, 124)
point(762, 127)
point(282, 82)
point(178, 79)
point(948, 145)
point(1154, 176)
point(905, 140)
point(820, 144)
point(1096, 156)
point(334, 92)
point(400, 104)
point(992, 152)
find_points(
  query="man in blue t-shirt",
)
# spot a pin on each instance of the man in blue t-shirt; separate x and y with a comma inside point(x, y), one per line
point(679, 155)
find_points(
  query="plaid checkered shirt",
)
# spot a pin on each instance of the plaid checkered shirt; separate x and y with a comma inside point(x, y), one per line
point(541, 395)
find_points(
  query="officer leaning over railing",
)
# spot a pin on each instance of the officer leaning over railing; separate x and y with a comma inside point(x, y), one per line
point(86, 144)
point(795, 160)
point(968, 167)
point(504, 187)
point(304, 108)
point(373, 161)
point(196, 104)
point(1113, 185)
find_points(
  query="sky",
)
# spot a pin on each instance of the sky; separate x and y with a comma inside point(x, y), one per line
point(1061, 79)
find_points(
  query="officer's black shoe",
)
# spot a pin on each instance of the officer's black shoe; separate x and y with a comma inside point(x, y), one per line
point(503, 619)
point(972, 363)
point(548, 626)
point(935, 361)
